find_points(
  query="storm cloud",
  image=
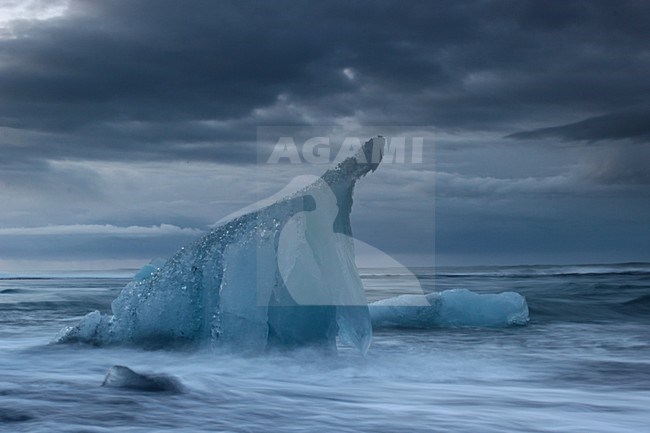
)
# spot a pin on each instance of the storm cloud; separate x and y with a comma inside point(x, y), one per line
point(630, 124)
point(147, 78)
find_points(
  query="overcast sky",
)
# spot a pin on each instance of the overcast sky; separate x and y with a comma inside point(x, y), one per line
point(127, 128)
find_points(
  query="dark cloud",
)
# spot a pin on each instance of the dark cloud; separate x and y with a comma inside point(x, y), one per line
point(36, 176)
point(137, 79)
point(630, 124)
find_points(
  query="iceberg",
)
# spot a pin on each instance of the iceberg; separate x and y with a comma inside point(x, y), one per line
point(283, 275)
point(457, 308)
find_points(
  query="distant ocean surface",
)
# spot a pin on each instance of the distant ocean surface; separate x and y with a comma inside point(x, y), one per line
point(581, 365)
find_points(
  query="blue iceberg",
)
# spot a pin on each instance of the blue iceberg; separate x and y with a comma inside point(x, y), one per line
point(457, 308)
point(283, 275)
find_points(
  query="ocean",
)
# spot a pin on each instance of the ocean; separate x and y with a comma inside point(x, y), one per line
point(582, 364)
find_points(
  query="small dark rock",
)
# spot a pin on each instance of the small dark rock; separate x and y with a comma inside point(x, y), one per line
point(120, 376)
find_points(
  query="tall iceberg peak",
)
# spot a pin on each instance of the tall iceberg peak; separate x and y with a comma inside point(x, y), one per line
point(281, 275)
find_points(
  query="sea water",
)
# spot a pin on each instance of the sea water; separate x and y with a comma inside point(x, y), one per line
point(581, 364)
